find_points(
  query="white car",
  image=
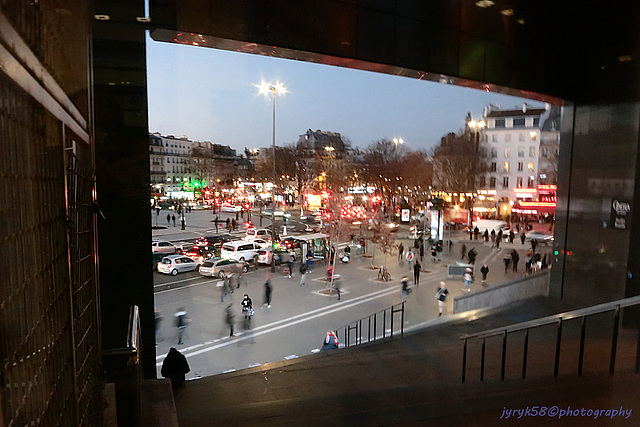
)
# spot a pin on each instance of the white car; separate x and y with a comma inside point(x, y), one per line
point(174, 264)
point(264, 256)
point(163, 247)
point(263, 243)
point(227, 207)
point(240, 250)
point(257, 233)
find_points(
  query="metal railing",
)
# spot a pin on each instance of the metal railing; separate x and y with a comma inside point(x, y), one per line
point(354, 330)
point(126, 372)
point(557, 319)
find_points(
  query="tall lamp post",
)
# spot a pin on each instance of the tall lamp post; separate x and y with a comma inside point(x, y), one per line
point(477, 126)
point(273, 89)
point(397, 141)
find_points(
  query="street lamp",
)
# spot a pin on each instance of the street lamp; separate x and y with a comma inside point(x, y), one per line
point(273, 89)
point(477, 126)
point(397, 141)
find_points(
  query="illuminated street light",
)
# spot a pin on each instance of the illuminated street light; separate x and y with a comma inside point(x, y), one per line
point(397, 141)
point(274, 89)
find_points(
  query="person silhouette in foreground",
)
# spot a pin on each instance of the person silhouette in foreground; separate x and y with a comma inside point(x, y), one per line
point(175, 367)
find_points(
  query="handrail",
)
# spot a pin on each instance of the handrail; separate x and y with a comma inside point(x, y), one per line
point(358, 325)
point(133, 337)
point(555, 318)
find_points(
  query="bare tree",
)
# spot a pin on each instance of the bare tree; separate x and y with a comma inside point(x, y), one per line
point(458, 163)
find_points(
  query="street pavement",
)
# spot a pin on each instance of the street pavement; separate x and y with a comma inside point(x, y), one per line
point(300, 315)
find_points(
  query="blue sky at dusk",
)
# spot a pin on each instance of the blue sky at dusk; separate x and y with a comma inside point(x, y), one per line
point(210, 95)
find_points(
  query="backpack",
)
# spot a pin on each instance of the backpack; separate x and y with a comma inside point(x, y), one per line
point(303, 268)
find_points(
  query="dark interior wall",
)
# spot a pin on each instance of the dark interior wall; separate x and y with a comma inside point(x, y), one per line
point(598, 167)
point(122, 174)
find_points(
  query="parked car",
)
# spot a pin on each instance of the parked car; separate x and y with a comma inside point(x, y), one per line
point(258, 233)
point(174, 264)
point(263, 243)
point(219, 267)
point(164, 247)
point(241, 250)
point(282, 255)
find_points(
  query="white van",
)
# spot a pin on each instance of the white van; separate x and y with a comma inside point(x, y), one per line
point(240, 250)
point(491, 224)
point(260, 233)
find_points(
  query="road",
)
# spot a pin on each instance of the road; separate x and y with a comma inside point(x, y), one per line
point(296, 323)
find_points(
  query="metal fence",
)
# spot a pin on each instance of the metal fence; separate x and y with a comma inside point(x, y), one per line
point(377, 326)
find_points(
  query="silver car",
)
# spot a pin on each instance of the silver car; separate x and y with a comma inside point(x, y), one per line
point(164, 247)
point(219, 267)
point(174, 264)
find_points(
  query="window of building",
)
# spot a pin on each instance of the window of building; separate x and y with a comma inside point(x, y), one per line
point(492, 182)
point(519, 181)
point(531, 166)
point(518, 123)
point(493, 166)
point(494, 138)
point(521, 151)
point(536, 122)
point(543, 153)
point(506, 166)
point(530, 182)
point(505, 182)
point(507, 137)
point(483, 181)
point(520, 166)
point(521, 137)
point(494, 153)
point(532, 151)
point(533, 136)
point(507, 152)
point(500, 123)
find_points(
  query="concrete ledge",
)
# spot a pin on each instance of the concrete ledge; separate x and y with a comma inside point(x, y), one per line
point(533, 285)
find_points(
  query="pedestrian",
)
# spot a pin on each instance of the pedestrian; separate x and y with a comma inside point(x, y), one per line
point(175, 367)
point(409, 257)
point(468, 278)
point(233, 224)
point(522, 237)
point(512, 235)
point(236, 217)
point(486, 235)
point(534, 244)
point(168, 219)
point(216, 221)
point(421, 250)
point(405, 286)
point(439, 250)
point(470, 233)
point(267, 292)
point(528, 259)
point(158, 320)
point(464, 251)
point(337, 284)
point(173, 218)
point(241, 281)
point(228, 318)
point(416, 273)
point(181, 322)
point(515, 257)
point(441, 295)
point(493, 238)
point(290, 266)
point(309, 261)
point(507, 262)
point(224, 290)
point(484, 270)
point(228, 225)
point(400, 252)
point(472, 255)
point(303, 273)
point(434, 253)
point(330, 342)
point(476, 231)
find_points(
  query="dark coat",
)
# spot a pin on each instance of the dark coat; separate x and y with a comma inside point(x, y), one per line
point(175, 366)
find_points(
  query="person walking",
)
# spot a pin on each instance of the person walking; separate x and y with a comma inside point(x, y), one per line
point(441, 295)
point(464, 251)
point(168, 219)
point(405, 286)
point(158, 319)
point(175, 367)
point(228, 318)
point(303, 273)
point(486, 235)
point(290, 266)
point(515, 258)
point(337, 284)
point(484, 270)
point(421, 250)
point(181, 322)
point(410, 257)
point(522, 237)
point(472, 255)
point(400, 252)
point(173, 218)
point(528, 259)
point(476, 231)
point(217, 220)
point(225, 289)
point(233, 224)
point(468, 278)
point(267, 292)
point(434, 253)
point(416, 273)
point(309, 260)
point(507, 262)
